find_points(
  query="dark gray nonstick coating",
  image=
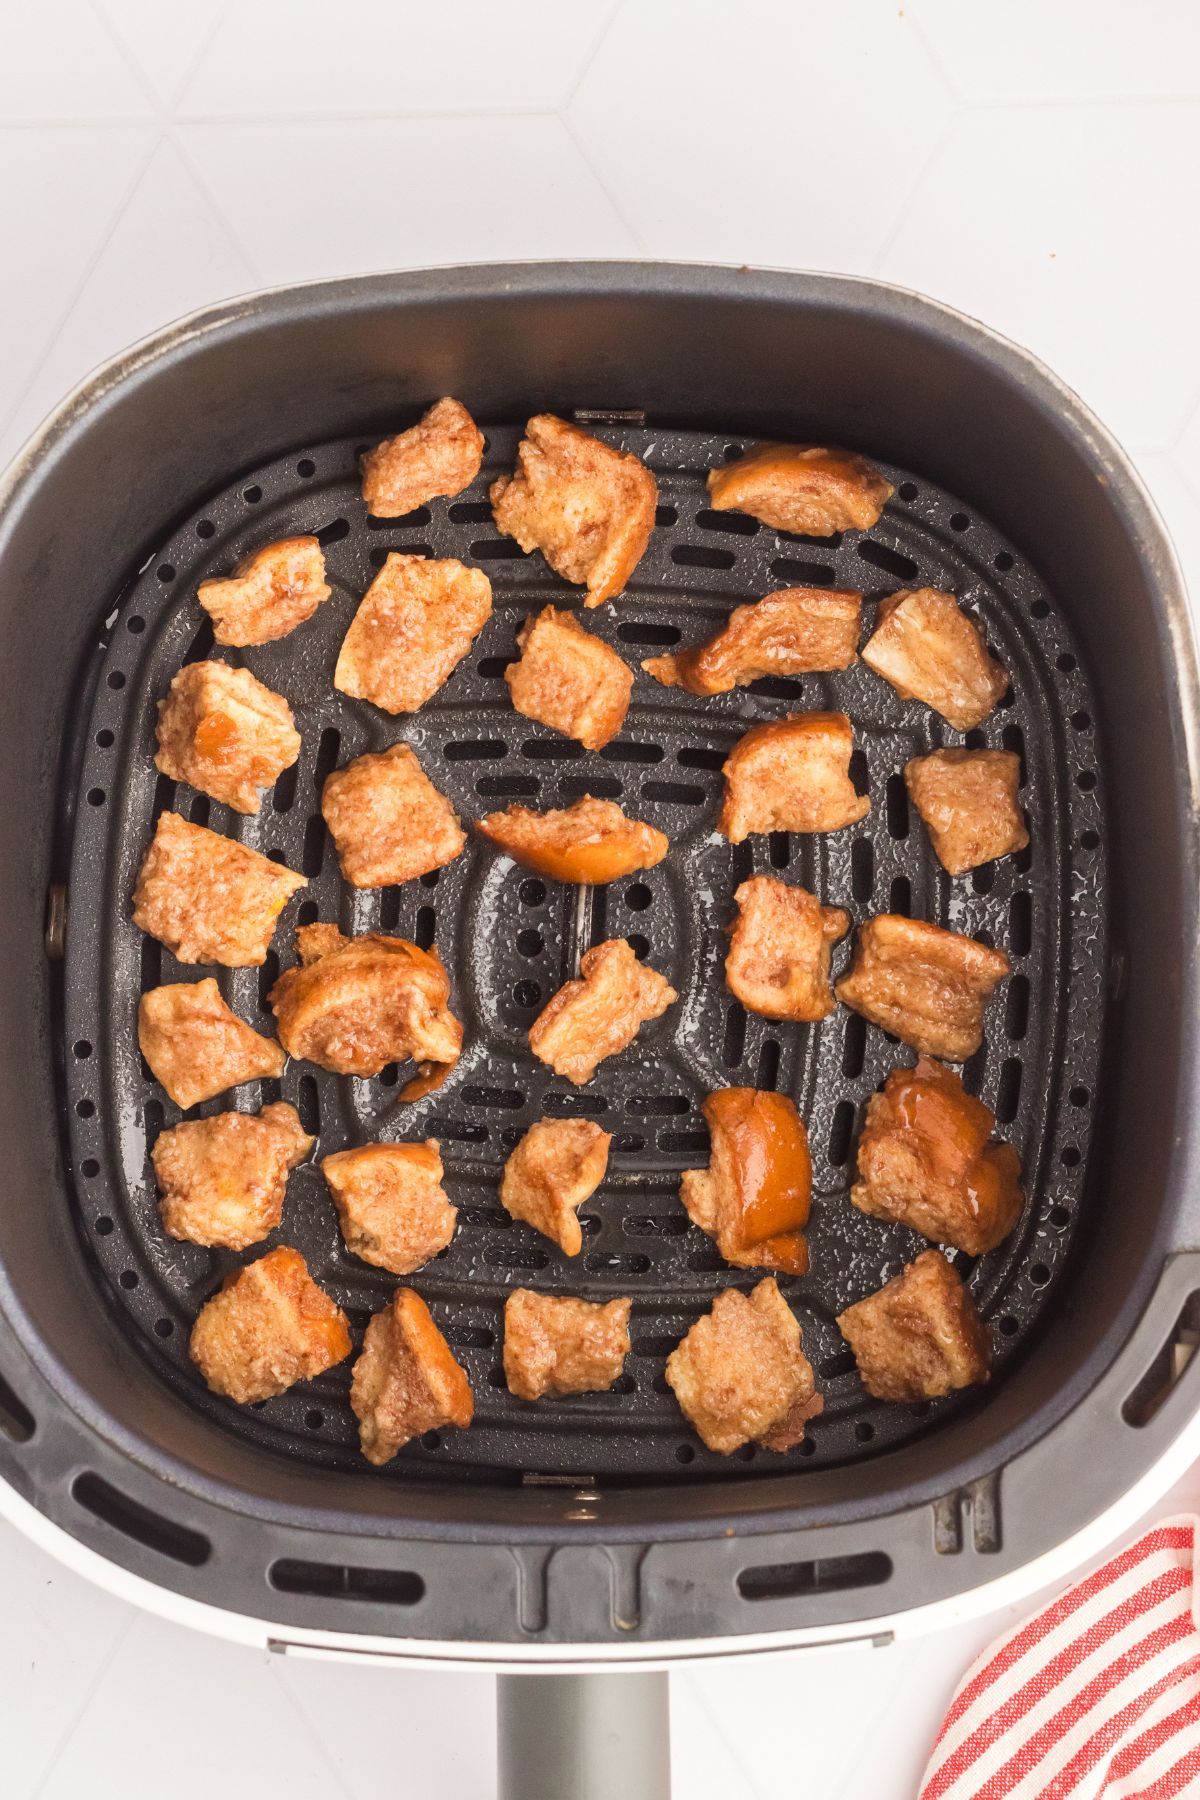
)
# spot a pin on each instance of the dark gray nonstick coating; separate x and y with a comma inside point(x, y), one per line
point(510, 939)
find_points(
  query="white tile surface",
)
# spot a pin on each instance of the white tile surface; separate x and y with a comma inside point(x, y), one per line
point(720, 141)
point(1057, 50)
point(1030, 160)
point(60, 62)
point(440, 1729)
point(340, 197)
point(1060, 226)
point(162, 43)
point(295, 59)
point(53, 228)
point(169, 251)
point(58, 1637)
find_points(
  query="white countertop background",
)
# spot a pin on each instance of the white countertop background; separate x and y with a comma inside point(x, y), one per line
point(1031, 161)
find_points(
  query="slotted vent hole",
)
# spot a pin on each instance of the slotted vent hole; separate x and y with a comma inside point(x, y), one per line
point(891, 561)
point(840, 1133)
point(854, 1045)
point(897, 807)
point(862, 869)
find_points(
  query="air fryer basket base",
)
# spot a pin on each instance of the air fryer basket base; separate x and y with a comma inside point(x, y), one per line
point(92, 1434)
point(509, 942)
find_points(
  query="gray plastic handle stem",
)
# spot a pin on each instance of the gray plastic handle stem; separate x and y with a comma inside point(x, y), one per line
point(584, 1737)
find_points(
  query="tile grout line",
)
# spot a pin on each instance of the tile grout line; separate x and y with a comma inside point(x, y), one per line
point(713, 1715)
point(912, 15)
point(597, 43)
point(894, 229)
point(275, 1675)
point(176, 140)
point(218, 214)
point(618, 208)
point(166, 107)
point(134, 68)
point(85, 274)
point(85, 1702)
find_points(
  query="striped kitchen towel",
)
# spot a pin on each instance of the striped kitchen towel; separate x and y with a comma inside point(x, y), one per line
point(1099, 1694)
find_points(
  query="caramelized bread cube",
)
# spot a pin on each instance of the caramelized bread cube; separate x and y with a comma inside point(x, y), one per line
point(589, 842)
point(754, 1196)
point(600, 1013)
point(791, 775)
point(567, 679)
point(436, 458)
point(223, 1178)
point(225, 733)
point(391, 1204)
point(388, 822)
point(925, 985)
point(557, 1165)
point(196, 1047)
point(930, 650)
point(406, 1380)
point(588, 508)
point(926, 1159)
point(968, 800)
point(560, 1345)
point(414, 625)
point(779, 950)
point(802, 488)
point(269, 1327)
point(270, 592)
point(353, 1005)
point(207, 898)
point(740, 1374)
point(792, 632)
point(920, 1336)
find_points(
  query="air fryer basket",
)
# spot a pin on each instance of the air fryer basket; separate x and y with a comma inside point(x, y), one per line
point(509, 941)
point(599, 1521)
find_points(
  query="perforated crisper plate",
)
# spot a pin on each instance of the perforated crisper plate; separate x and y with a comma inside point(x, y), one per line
point(510, 940)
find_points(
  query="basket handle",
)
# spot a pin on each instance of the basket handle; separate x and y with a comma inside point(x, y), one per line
point(589, 1737)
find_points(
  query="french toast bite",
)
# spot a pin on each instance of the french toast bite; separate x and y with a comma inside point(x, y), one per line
point(926, 985)
point(555, 1344)
point(196, 1047)
point(225, 733)
point(791, 775)
point(267, 1328)
point(588, 843)
point(920, 1336)
point(388, 822)
point(927, 647)
point(740, 1374)
point(927, 1158)
point(568, 679)
point(391, 1205)
point(436, 458)
point(802, 488)
point(406, 1380)
point(588, 508)
point(414, 625)
point(222, 1179)
point(779, 950)
point(207, 898)
point(270, 592)
point(353, 1005)
point(600, 1013)
point(795, 631)
point(968, 801)
point(558, 1164)
point(753, 1198)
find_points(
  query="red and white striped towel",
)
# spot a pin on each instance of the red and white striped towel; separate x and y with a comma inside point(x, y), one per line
point(1097, 1695)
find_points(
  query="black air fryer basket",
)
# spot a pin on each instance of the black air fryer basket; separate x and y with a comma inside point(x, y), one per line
point(597, 1527)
